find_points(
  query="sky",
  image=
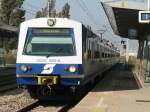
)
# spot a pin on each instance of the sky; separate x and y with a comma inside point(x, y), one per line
point(88, 12)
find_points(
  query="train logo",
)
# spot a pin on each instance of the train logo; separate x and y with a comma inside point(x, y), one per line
point(48, 68)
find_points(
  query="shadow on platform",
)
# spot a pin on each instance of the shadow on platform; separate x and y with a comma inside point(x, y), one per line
point(119, 78)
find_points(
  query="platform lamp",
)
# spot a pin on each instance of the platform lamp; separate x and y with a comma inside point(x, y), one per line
point(101, 32)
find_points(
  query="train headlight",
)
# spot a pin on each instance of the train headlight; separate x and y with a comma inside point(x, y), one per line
point(72, 69)
point(24, 68)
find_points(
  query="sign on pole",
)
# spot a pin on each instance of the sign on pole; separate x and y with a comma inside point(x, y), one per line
point(144, 16)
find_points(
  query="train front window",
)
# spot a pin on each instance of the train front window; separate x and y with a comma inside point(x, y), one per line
point(50, 44)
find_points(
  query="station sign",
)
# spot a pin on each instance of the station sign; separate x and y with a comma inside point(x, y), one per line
point(144, 16)
point(51, 30)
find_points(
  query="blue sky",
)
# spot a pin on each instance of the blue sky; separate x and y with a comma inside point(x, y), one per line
point(96, 17)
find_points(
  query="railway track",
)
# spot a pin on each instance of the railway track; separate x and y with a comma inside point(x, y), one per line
point(58, 105)
point(7, 79)
point(29, 107)
point(48, 106)
point(63, 104)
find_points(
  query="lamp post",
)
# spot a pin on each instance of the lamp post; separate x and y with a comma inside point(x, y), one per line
point(148, 5)
point(101, 32)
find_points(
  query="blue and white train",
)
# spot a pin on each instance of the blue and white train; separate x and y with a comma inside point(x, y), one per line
point(59, 53)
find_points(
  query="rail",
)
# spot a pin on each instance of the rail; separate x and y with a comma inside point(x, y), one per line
point(7, 78)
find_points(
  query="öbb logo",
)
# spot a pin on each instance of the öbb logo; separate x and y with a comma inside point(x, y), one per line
point(48, 68)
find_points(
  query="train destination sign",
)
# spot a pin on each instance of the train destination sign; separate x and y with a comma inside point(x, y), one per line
point(50, 31)
point(144, 16)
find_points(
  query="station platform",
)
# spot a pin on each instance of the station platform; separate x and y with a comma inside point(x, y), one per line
point(117, 92)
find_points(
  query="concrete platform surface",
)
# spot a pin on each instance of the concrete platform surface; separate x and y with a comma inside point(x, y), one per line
point(117, 92)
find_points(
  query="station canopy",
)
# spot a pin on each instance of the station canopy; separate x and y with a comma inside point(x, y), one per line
point(123, 17)
point(7, 31)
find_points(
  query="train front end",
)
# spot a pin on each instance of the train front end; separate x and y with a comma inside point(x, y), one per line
point(49, 53)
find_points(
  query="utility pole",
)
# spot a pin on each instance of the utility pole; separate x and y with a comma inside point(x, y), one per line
point(48, 11)
point(148, 6)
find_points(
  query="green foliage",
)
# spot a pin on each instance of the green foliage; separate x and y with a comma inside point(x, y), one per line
point(41, 13)
point(12, 44)
point(8, 43)
point(18, 17)
point(10, 58)
point(131, 62)
point(10, 12)
point(66, 10)
point(64, 13)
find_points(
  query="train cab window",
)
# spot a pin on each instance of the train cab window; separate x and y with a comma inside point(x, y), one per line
point(50, 42)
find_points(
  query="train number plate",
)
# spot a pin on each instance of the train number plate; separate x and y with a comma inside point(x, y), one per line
point(47, 80)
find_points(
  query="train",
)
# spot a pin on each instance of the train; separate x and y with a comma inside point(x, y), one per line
point(56, 53)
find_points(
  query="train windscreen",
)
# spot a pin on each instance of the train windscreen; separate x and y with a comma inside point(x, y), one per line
point(50, 42)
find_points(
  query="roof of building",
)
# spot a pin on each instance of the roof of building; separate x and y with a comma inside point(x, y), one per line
point(8, 28)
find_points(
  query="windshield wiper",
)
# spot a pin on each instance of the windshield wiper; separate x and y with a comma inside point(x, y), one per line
point(51, 54)
point(59, 51)
point(47, 56)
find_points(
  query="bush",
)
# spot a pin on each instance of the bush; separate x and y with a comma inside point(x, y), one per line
point(131, 62)
point(10, 58)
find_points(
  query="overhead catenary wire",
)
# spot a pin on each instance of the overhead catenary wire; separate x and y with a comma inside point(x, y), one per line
point(29, 11)
point(33, 6)
point(86, 12)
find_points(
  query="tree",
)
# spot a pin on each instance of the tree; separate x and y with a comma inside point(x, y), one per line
point(66, 10)
point(11, 12)
point(52, 11)
point(42, 13)
point(17, 17)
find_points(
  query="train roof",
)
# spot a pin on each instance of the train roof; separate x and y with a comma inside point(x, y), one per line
point(35, 20)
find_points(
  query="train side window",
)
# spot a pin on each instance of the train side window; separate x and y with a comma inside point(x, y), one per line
point(96, 54)
point(89, 54)
point(103, 55)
